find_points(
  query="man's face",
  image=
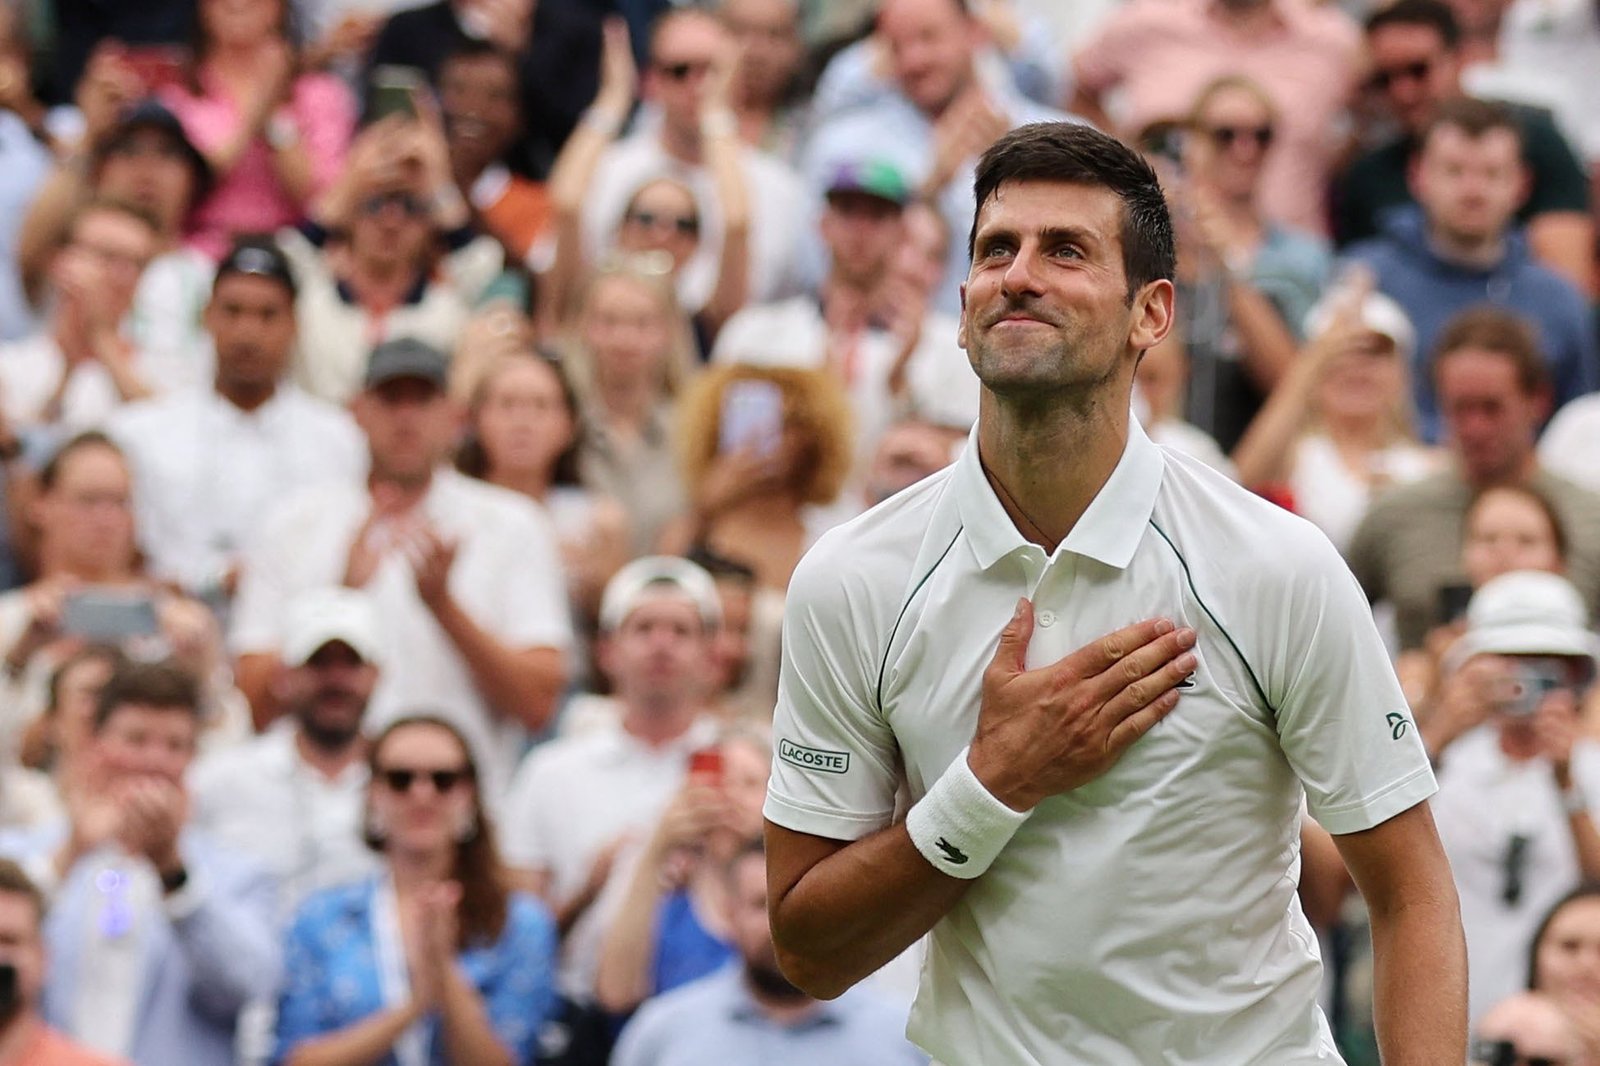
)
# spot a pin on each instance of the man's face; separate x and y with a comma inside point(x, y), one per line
point(410, 425)
point(1045, 307)
point(684, 50)
point(862, 233)
point(750, 931)
point(109, 249)
point(1491, 422)
point(1413, 71)
point(22, 946)
point(478, 95)
point(251, 322)
point(1470, 187)
point(661, 650)
point(332, 689)
point(140, 741)
point(931, 45)
point(768, 32)
point(150, 170)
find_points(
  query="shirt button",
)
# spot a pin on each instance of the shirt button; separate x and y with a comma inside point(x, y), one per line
point(1047, 618)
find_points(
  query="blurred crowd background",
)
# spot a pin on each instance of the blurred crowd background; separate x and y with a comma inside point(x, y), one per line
point(411, 416)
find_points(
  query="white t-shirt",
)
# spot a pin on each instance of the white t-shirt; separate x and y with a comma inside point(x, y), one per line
point(792, 333)
point(1570, 444)
point(31, 370)
point(1484, 800)
point(1332, 497)
point(507, 576)
point(776, 218)
point(261, 799)
point(1151, 915)
point(571, 799)
point(206, 473)
point(164, 322)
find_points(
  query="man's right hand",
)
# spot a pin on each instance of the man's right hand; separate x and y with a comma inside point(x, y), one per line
point(1048, 731)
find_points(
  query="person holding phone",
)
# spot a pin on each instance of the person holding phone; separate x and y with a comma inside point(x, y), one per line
point(275, 138)
point(667, 928)
point(1517, 775)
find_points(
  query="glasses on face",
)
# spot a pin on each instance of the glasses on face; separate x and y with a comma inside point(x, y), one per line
point(401, 779)
point(408, 204)
point(1226, 137)
point(1506, 1053)
point(682, 225)
point(1385, 78)
point(115, 258)
point(685, 70)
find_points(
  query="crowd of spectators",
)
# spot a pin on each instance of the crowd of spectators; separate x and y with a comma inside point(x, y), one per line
point(412, 414)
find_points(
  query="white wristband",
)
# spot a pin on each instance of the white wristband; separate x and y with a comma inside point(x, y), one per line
point(959, 827)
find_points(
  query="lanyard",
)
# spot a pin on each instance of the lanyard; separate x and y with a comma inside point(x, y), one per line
point(394, 983)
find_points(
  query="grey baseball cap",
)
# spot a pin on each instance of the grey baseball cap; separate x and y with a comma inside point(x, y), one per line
point(406, 357)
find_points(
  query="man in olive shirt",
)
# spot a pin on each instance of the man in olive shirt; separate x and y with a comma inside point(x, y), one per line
point(1493, 391)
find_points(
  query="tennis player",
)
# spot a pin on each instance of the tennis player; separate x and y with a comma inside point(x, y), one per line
point(1105, 800)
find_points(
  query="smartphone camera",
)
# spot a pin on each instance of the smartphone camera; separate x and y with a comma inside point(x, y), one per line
point(1530, 682)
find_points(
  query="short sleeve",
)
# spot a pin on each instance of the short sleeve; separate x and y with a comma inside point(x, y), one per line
point(524, 840)
point(1342, 719)
point(834, 768)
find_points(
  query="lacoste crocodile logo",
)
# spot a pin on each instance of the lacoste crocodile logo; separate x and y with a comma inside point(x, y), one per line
point(952, 853)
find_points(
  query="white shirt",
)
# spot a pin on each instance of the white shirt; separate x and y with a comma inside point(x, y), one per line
point(507, 575)
point(940, 384)
point(206, 472)
point(105, 1010)
point(776, 219)
point(164, 322)
point(261, 799)
point(1484, 799)
point(30, 371)
point(1149, 916)
point(571, 799)
point(1570, 445)
point(1330, 495)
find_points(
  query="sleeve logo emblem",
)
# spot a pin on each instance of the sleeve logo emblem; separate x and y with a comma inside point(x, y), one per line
point(1397, 724)
point(828, 762)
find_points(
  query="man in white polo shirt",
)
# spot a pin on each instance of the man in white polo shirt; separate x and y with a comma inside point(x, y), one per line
point(1103, 838)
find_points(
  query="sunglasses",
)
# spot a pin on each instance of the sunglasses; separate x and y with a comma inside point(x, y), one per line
point(683, 225)
point(1505, 1053)
point(399, 779)
point(683, 71)
point(1385, 77)
point(1226, 136)
point(375, 205)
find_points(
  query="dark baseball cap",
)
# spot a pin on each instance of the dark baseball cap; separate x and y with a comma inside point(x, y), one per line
point(406, 357)
point(152, 114)
point(870, 177)
point(258, 257)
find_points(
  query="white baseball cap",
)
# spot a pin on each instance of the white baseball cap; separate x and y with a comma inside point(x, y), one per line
point(324, 615)
point(1526, 612)
point(1379, 313)
point(629, 586)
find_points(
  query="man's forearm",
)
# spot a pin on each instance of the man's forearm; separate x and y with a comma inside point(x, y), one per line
point(857, 909)
point(521, 683)
point(1420, 999)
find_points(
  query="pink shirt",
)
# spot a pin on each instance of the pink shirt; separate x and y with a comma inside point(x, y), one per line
point(249, 199)
point(1161, 53)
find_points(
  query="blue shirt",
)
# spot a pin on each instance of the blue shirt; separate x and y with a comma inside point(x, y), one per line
point(685, 951)
point(715, 1020)
point(24, 164)
point(331, 967)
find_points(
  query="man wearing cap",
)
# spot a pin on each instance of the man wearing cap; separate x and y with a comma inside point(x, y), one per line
point(144, 158)
point(465, 576)
point(941, 113)
point(1516, 774)
point(209, 461)
point(869, 320)
point(576, 799)
point(292, 798)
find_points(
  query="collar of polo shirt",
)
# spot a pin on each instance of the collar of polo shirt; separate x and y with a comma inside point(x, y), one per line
point(1109, 531)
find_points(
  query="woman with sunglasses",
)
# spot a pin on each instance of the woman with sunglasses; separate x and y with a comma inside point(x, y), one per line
point(435, 960)
point(274, 136)
point(1245, 283)
point(663, 215)
point(391, 252)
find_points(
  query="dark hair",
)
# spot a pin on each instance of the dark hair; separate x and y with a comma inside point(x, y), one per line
point(14, 882)
point(1591, 890)
point(1077, 154)
point(720, 567)
point(1501, 332)
point(51, 473)
point(163, 685)
point(473, 460)
point(199, 44)
point(485, 886)
point(1435, 14)
point(1474, 118)
point(469, 48)
point(1534, 495)
point(106, 653)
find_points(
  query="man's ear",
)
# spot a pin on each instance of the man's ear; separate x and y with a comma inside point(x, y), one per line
point(961, 332)
point(1152, 315)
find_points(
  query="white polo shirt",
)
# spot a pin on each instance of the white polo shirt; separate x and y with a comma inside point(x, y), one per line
point(1151, 915)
